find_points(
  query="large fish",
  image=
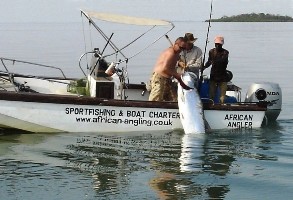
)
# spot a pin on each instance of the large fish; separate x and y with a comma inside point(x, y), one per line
point(190, 106)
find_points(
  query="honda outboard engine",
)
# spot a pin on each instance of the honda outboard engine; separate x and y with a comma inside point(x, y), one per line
point(268, 92)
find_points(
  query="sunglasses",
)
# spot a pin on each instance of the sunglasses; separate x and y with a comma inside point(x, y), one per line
point(180, 47)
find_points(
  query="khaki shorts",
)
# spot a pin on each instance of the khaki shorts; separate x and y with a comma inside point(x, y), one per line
point(162, 89)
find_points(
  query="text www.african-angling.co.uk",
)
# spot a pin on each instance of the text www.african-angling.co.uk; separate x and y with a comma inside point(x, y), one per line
point(134, 122)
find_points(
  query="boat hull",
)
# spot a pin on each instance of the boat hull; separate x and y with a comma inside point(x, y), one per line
point(65, 113)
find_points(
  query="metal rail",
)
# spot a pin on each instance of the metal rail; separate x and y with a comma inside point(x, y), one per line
point(30, 63)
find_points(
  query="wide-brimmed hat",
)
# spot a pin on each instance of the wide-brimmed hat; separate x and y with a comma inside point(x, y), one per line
point(190, 38)
point(219, 40)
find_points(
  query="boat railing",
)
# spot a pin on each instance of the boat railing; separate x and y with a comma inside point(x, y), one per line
point(235, 88)
point(29, 63)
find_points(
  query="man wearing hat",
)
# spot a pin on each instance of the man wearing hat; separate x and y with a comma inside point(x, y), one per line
point(218, 58)
point(191, 57)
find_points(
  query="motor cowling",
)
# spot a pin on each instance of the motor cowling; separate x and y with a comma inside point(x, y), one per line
point(267, 92)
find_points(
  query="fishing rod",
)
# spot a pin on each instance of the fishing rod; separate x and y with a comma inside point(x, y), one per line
point(167, 37)
point(207, 40)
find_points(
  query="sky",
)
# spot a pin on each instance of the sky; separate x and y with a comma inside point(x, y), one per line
point(171, 10)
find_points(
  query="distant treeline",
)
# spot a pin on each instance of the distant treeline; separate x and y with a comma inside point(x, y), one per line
point(254, 17)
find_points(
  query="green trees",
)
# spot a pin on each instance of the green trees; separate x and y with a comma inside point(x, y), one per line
point(253, 17)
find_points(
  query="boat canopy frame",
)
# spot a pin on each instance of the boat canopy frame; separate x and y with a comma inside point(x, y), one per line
point(123, 19)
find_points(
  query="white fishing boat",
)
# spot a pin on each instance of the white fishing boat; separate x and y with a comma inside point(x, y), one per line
point(101, 103)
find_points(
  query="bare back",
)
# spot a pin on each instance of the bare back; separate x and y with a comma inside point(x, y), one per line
point(166, 63)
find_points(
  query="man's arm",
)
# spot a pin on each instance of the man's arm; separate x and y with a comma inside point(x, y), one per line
point(195, 58)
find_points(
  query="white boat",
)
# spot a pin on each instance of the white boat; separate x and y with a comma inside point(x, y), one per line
point(101, 103)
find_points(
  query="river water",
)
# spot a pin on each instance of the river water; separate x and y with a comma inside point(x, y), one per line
point(247, 164)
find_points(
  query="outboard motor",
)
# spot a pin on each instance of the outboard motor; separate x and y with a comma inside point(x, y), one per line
point(268, 92)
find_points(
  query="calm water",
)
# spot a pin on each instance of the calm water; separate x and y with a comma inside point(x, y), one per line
point(252, 164)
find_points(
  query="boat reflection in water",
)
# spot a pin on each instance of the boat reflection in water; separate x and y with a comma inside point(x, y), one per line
point(116, 166)
point(174, 163)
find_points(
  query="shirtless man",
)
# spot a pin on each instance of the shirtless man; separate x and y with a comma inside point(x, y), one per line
point(162, 88)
